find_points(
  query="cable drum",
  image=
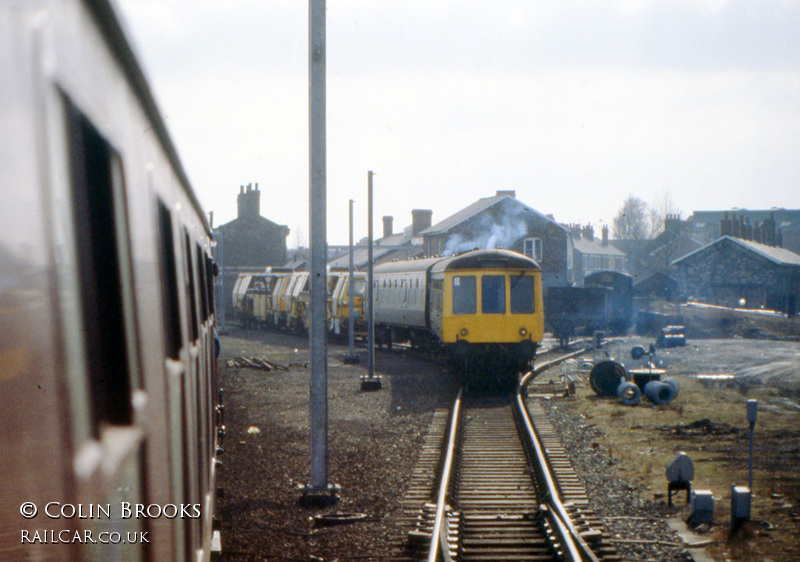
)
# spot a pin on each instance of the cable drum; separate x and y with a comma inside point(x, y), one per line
point(674, 384)
point(629, 394)
point(606, 376)
point(659, 393)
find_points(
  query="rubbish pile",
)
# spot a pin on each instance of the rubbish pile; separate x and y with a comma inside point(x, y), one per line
point(255, 363)
point(609, 379)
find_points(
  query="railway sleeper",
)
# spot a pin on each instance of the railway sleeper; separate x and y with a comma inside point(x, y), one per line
point(420, 537)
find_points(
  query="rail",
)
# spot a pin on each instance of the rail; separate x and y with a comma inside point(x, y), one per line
point(439, 534)
point(575, 547)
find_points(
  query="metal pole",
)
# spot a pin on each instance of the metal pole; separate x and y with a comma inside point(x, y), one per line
point(370, 295)
point(752, 414)
point(350, 292)
point(317, 229)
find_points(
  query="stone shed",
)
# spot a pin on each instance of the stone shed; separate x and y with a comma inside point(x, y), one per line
point(731, 269)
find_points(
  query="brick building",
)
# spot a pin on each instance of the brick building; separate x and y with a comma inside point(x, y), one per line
point(502, 221)
point(249, 243)
point(403, 245)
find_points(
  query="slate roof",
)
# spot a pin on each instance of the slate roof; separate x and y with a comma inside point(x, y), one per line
point(780, 256)
point(382, 248)
point(596, 248)
point(476, 208)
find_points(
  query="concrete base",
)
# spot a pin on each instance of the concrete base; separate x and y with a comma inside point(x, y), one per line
point(351, 359)
point(320, 497)
point(373, 383)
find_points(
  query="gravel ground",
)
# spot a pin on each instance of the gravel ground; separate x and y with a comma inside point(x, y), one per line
point(625, 514)
point(374, 440)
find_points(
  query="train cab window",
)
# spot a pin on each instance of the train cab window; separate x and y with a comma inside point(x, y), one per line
point(521, 294)
point(103, 254)
point(493, 294)
point(464, 294)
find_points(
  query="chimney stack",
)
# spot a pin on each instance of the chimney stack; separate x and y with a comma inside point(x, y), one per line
point(507, 193)
point(387, 226)
point(248, 201)
point(420, 220)
point(605, 235)
point(588, 232)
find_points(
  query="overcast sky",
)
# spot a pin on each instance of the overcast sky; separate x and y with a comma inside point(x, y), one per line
point(573, 104)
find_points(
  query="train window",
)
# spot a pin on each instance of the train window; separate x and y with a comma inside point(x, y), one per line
point(201, 272)
point(191, 287)
point(169, 283)
point(493, 294)
point(103, 262)
point(521, 294)
point(464, 294)
point(210, 283)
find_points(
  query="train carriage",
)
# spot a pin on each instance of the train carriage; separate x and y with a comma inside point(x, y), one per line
point(483, 307)
point(108, 381)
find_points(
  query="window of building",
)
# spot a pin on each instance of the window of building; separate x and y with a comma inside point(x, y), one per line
point(532, 247)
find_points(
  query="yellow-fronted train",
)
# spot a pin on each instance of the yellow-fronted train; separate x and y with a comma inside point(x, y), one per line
point(483, 308)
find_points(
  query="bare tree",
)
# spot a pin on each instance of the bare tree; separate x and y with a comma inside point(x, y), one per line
point(663, 206)
point(632, 221)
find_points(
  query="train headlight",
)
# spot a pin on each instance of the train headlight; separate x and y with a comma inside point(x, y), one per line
point(523, 331)
point(464, 332)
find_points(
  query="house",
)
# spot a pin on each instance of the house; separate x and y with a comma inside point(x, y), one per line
point(502, 221)
point(774, 227)
point(594, 255)
point(730, 270)
point(249, 243)
point(389, 247)
point(650, 261)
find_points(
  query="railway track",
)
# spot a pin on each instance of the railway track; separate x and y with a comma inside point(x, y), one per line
point(494, 483)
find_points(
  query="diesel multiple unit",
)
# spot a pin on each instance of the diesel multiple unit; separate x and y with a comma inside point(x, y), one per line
point(108, 382)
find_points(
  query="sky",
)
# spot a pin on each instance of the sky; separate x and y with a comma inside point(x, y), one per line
point(575, 105)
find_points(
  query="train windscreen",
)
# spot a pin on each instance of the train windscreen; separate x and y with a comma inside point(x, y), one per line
point(522, 294)
point(493, 294)
point(464, 294)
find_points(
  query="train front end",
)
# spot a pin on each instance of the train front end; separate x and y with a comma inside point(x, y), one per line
point(492, 318)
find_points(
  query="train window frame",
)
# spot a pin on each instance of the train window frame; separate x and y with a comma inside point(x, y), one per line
point(493, 299)
point(170, 294)
point(516, 295)
point(190, 283)
point(464, 294)
point(105, 270)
